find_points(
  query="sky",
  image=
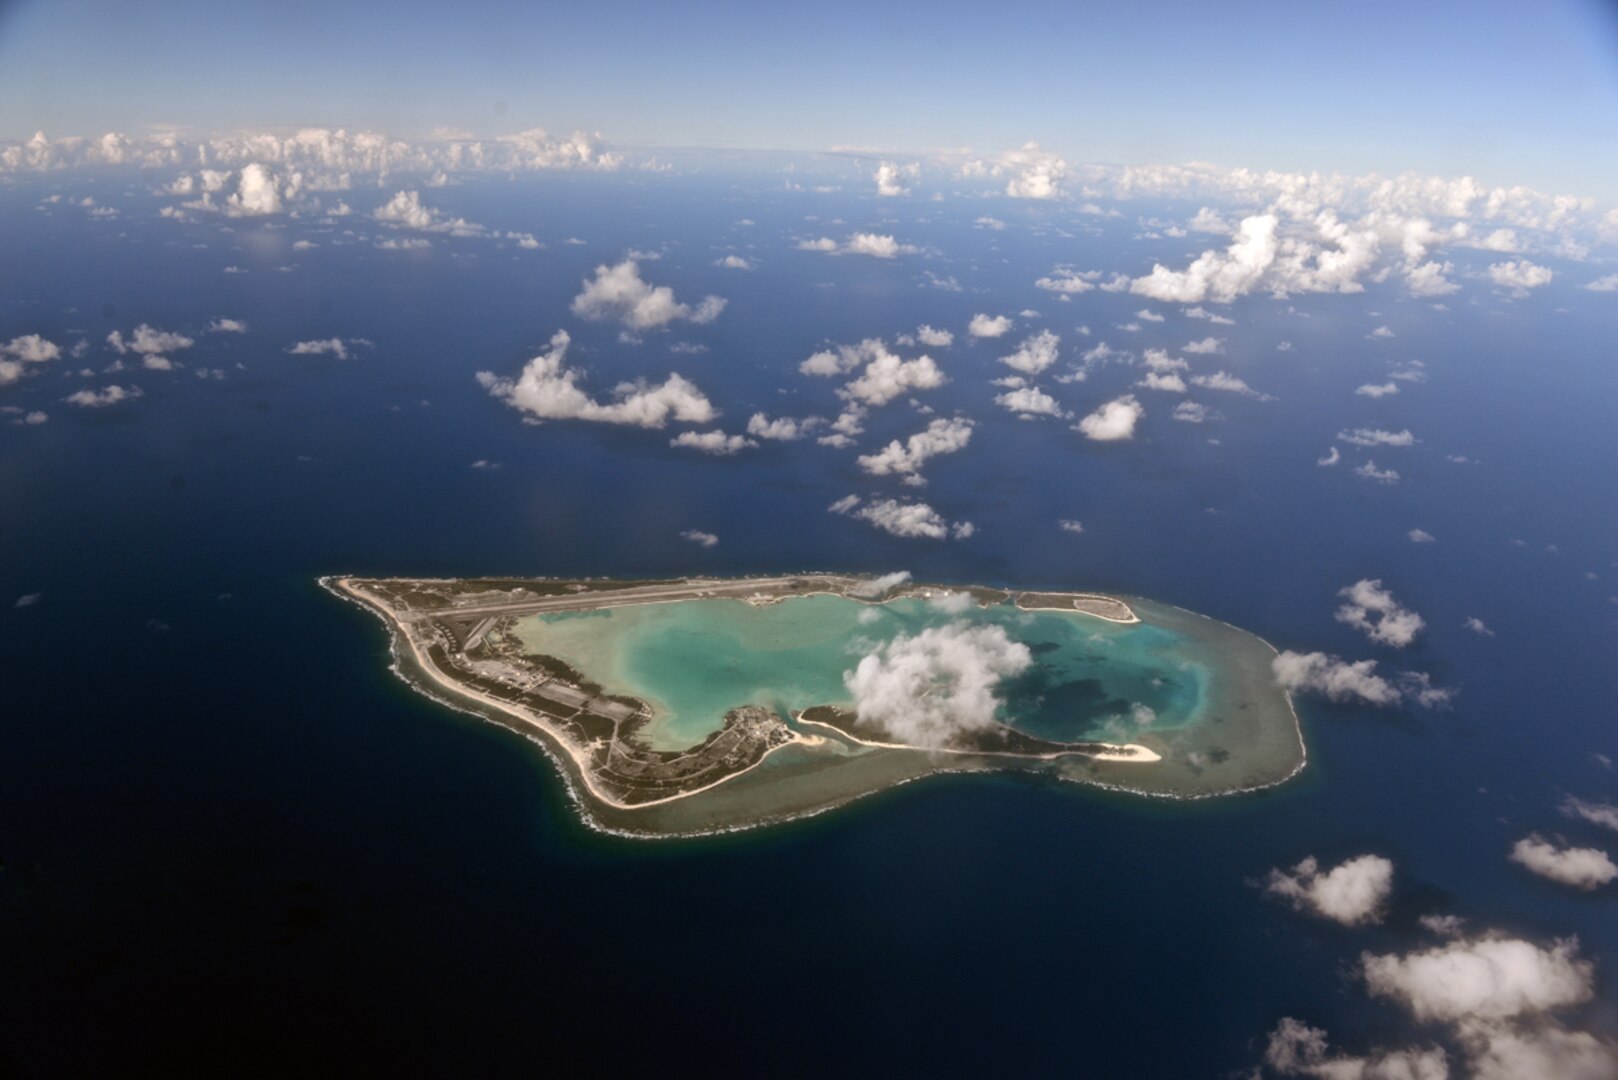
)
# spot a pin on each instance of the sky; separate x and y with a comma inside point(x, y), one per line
point(1509, 93)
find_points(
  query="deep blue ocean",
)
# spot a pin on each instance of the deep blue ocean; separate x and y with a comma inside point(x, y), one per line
point(234, 841)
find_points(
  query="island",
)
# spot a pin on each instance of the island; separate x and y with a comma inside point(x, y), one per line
point(701, 705)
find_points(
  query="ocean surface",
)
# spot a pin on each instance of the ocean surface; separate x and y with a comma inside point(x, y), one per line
point(234, 841)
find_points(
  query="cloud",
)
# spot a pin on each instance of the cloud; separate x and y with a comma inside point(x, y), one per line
point(1604, 284)
point(227, 326)
point(942, 436)
point(1215, 276)
point(1204, 313)
point(700, 538)
point(713, 442)
point(1205, 346)
point(1191, 412)
point(887, 376)
point(782, 428)
point(937, 339)
point(989, 326)
point(1031, 173)
point(1337, 679)
point(1484, 979)
point(1369, 471)
point(1377, 437)
point(547, 389)
point(1030, 401)
point(734, 262)
point(1421, 536)
point(903, 519)
point(407, 211)
point(1113, 421)
point(28, 349)
point(334, 346)
point(1171, 383)
point(100, 399)
point(258, 192)
point(148, 341)
point(1069, 282)
point(1581, 867)
point(1035, 355)
point(1476, 625)
point(1352, 893)
point(877, 586)
point(1519, 275)
point(1371, 608)
point(1604, 814)
point(891, 178)
point(1071, 526)
point(1377, 390)
point(618, 292)
point(1224, 380)
point(1296, 1049)
point(929, 688)
point(874, 244)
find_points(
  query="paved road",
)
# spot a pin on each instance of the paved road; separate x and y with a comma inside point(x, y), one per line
point(644, 595)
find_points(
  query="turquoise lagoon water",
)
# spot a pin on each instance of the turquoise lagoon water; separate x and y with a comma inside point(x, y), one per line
point(694, 660)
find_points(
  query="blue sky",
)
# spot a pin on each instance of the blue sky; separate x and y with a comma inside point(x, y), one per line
point(1511, 93)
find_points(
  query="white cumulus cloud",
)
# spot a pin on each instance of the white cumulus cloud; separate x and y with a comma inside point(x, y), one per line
point(548, 389)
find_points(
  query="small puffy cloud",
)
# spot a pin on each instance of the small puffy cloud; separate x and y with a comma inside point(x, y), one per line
point(101, 399)
point(332, 346)
point(619, 292)
point(1519, 275)
point(27, 600)
point(1352, 893)
point(148, 340)
point(1191, 412)
point(989, 326)
point(892, 178)
point(549, 390)
point(903, 519)
point(1069, 282)
point(1296, 1049)
point(700, 538)
point(1421, 536)
point(1369, 471)
point(782, 428)
point(1224, 380)
point(1217, 276)
point(406, 243)
point(1030, 401)
point(1377, 390)
point(713, 442)
point(1336, 679)
point(1206, 346)
point(877, 245)
point(1581, 867)
point(989, 223)
point(937, 339)
point(942, 436)
point(886, 376)
point(1483, 979)
point(258, 193)
point(1604, 814)
point(406, 211)
point(1035, 355)
point(1204, 313)
point(31, 349)
point(1377, 437)
point(227, 326)
point(1032, 173)
point(1604, 284)
point(872, 588)
point(929, 688)
point(1113, 421)
point(1170, 382)
point(734, 262)
point(1371, 608)
point(1429, 280)
point(1148, 315)
point(1068, 525)
point(1476, 625)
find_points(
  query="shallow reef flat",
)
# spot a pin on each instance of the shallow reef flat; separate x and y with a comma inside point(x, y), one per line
point(705, 705)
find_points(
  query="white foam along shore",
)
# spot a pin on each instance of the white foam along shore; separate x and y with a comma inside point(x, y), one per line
point(346, 586)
